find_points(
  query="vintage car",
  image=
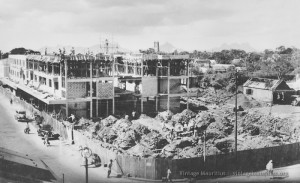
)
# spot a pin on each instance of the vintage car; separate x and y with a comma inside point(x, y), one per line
point(43, 129)
point(296, 101)
point(21, 116)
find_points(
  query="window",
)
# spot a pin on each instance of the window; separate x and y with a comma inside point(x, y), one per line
point(56, 85)
point(50, 83)
point(249, 91)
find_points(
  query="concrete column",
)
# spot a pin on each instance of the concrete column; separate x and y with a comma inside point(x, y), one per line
point(107, 108)
point(91, 90)
point(66, 87)
point(134, 68)
point(142, 74)
point(126, 68)
point(97, 104)
point(156, 103)
point(52, 69)
point(113, 83)
point(142, 105)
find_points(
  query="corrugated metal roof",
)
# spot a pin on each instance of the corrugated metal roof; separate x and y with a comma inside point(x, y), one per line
point(263, 83)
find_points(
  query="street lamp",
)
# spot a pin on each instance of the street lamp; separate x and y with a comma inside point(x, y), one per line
point(86, 153)
point(72, 133)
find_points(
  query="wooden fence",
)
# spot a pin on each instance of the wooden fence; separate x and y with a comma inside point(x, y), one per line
point(247, 161)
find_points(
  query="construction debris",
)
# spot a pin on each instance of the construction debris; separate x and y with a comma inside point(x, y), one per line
point(184, 134)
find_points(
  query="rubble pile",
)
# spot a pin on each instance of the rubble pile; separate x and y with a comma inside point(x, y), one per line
point(184, 134)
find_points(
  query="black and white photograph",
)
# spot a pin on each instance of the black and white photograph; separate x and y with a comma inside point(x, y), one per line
point(145, 91)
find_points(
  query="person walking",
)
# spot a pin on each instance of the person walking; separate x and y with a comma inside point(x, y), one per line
point(11, 101)
point(109, 168)
point(46, 139)
point(27, 129)
point(269, 167)
point(169, 175)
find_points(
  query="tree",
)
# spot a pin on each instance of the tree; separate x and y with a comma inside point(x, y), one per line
point(18, 51)
point(23, 51)
point(253, 62)
point(280, 65)
point(295, 58)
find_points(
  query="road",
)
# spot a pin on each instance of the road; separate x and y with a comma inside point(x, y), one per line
point(61, 157)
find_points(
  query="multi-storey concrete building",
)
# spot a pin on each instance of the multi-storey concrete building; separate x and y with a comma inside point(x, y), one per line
point(4, 68)
point(92, 86)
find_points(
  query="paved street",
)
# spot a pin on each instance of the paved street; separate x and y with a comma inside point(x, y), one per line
point(61, 157)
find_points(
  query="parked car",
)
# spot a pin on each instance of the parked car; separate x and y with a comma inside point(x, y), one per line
point(47, 129)
point(21, 116)
point(296, 101)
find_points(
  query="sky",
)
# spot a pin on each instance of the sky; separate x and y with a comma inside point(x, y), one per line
point(136, 24)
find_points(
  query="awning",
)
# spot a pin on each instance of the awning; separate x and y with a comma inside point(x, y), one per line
point(9, 83)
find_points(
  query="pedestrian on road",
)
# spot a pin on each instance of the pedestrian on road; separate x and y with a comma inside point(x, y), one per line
point(169, 175)
point(11, 101)
point(109, 168)
point(269, 167)
point(46, 139)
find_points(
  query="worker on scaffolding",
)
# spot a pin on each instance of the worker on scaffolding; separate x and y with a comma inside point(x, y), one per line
point(71, 118)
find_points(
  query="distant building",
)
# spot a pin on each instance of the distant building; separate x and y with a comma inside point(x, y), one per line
point(202, 63)
point(237, 62)
point(268, 90)
point(156, 47)
point(4, 68)
point(223, 67)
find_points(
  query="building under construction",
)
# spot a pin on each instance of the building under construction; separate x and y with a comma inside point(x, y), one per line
point(94, 86)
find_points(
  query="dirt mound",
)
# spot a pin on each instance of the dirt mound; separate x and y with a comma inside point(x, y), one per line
point(140, 150)
point(164, 116)
point(225, 145)
point(140, 129)
point(153, 140)
point(189, 152)
point(109, 120)
point(150, 123)
point(107, 135)
point(126, 140)
point(183, 117)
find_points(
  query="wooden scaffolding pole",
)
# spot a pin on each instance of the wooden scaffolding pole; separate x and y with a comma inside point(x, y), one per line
point(188, 86)
point(168, 102)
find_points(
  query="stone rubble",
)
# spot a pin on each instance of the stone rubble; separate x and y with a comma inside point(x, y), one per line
point(184, 134)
